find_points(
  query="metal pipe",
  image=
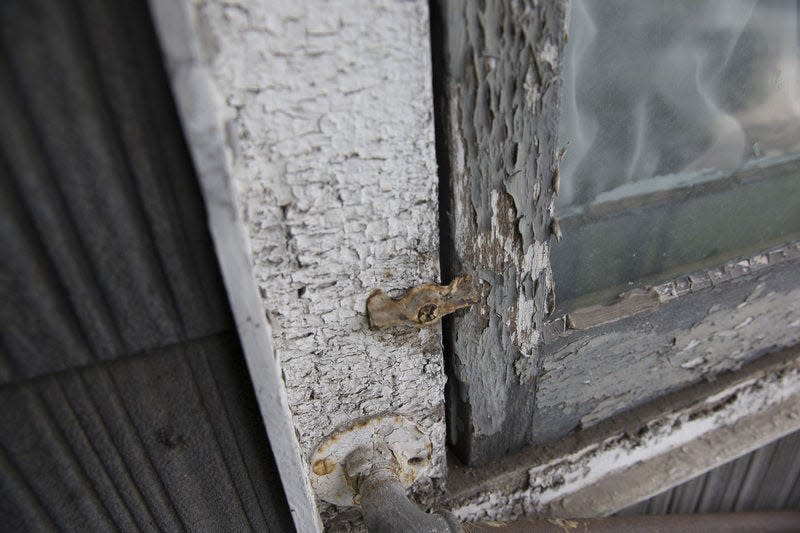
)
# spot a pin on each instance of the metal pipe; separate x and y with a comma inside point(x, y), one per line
point(384, 504)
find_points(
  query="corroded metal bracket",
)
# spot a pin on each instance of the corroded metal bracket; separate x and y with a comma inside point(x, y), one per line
point(421, 306)
point(401, 439)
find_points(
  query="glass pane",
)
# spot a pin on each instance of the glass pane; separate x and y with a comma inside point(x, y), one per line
point(682, 127)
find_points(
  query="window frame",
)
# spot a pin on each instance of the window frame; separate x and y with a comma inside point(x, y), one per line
point(498, 91)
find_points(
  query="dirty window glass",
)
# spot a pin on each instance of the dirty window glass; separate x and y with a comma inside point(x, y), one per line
point(681, 122)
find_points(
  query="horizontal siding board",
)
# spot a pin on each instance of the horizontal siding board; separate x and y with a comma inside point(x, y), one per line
point(766, 479)
point(145, 442)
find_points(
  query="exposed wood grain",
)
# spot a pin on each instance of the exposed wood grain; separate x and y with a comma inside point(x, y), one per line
point(628, 304)
point(502, 91)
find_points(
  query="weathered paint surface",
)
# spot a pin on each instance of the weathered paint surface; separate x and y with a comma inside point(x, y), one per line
point(329, 139)
point(735, 314)
point(632, 459)
point(392, 435)
point(502, 87)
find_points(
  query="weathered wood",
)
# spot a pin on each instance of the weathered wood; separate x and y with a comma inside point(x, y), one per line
point(330, 147)
point(592, 374)
point(181, 31)
point(501, 95)
point(634, 456)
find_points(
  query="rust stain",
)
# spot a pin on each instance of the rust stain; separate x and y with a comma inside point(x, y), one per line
point(421, 306)
point(565, 525)
point(323, 467)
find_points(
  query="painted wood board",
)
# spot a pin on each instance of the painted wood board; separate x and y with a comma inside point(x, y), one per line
point(328, 139)
point(500, 107)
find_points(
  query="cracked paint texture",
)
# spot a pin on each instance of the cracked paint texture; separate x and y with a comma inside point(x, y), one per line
point(503, 84)
point(568, 485)
point(330, 136)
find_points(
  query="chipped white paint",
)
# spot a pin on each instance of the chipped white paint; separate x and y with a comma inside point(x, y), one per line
point(602, 477)
point(730, 270)
point(328, 113)
point(740, 331)
point(408, 445)
point(532, 260)
point(549, 54)
point(532, 92)
point(500, 128)
point(741, 311)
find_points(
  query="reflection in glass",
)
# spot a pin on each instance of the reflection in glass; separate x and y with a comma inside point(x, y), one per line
point(668, 96)
point(664, 88)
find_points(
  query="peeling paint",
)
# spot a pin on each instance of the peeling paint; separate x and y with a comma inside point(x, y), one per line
point(532, 91)
point(737, 333)
point(551, 488)
point(501, 134)
point(549, 54)
point(662, 344)
point(329, 111)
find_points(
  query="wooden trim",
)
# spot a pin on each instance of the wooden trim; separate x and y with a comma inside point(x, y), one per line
point(614, 246)
point(638, 300)
point(498, 106)
point(634, 456)
point(197, 104)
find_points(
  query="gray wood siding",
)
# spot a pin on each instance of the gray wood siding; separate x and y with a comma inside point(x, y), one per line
point(106, 251)
point(167, 440)
point(767, 479)
point(126, 402)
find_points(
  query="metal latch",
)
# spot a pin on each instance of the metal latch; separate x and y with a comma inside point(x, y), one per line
point(421, 306)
